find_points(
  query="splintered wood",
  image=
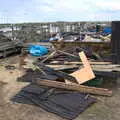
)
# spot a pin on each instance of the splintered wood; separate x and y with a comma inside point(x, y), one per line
point(73, 81)
point(84, 74)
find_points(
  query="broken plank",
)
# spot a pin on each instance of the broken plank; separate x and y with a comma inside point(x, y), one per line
point(57, 73)
point(48, 57)
point(69, 54)
point(62, 67)
point(84, 74)
point(80, 63)
point(74, 87)
point(106, 68)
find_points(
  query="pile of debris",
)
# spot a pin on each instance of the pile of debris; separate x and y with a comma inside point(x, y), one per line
point(8, 46)
point(81, 37)
point(60, 89)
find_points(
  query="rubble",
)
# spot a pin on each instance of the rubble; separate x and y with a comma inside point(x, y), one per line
point(7, 46)
point(58, 81)
point(54, 79)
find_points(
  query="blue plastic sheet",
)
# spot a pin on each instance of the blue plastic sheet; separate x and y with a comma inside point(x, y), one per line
point(38, 50)
point(107, 30)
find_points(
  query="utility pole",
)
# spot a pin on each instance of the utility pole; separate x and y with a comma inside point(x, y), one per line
point(13, 37)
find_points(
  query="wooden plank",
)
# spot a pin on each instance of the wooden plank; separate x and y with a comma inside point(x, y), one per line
point(67, 53)
point(62, 67)
point(48, 57)
point(74, 87)
point(80, 63)
point(101, 72)
point(84, 74)
point(106, 68)
point(95, 45)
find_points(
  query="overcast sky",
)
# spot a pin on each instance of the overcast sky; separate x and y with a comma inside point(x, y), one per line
point(18, 11)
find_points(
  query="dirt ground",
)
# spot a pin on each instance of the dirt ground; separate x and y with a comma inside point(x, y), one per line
point(107, 108)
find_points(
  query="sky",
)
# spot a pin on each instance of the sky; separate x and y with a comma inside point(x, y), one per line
point(19, 11)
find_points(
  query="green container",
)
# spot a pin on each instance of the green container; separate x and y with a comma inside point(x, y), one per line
point(95, 82)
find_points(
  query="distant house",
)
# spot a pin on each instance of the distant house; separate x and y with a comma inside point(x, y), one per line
point(6, 29)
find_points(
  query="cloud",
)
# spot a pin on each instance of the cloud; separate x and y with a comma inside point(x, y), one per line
point(60, 10)
point(105, 4)
point(113, 5)
point(58, 6)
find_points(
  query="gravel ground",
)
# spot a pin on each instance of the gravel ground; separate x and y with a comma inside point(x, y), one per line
point(107, 108)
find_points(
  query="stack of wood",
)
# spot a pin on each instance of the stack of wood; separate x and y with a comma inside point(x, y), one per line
point(7, 46)
point(71, 81)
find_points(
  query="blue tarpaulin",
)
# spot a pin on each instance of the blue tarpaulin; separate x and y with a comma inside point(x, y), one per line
point(107, 30)
point(37, 50)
